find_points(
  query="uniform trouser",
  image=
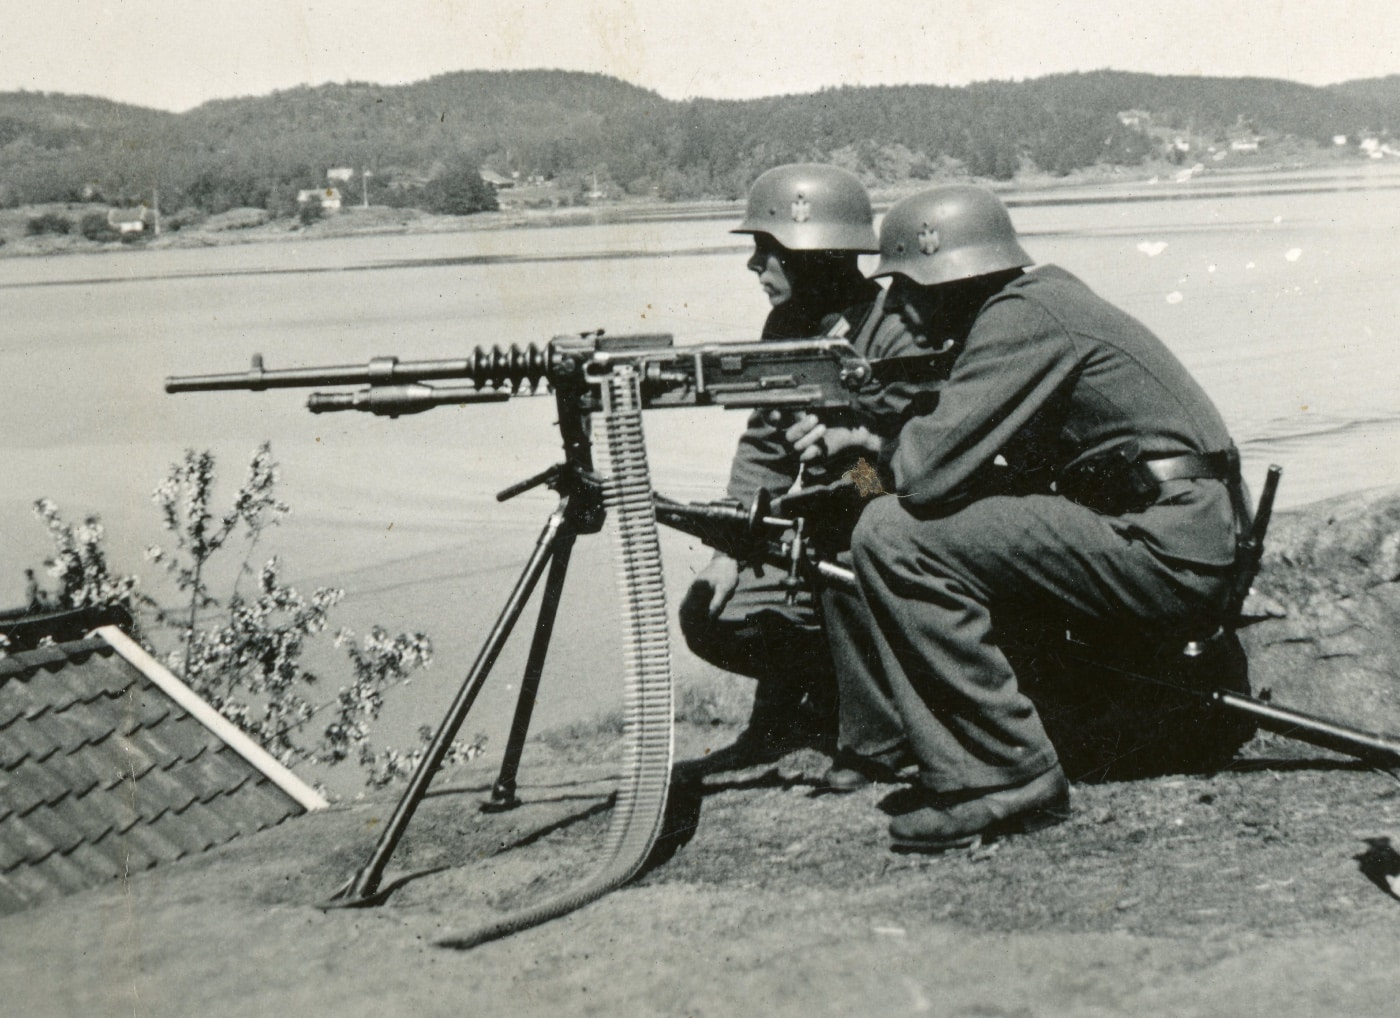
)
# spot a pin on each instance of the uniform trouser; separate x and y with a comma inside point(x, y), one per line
point(934, 587)
point(796, 649)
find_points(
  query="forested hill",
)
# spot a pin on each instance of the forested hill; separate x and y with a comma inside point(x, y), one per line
point(587, 132)
point(1383, 93)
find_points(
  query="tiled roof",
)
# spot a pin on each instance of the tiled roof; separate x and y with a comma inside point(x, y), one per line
point(109, 765)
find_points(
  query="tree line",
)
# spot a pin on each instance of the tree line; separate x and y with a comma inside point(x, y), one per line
point(423, 143)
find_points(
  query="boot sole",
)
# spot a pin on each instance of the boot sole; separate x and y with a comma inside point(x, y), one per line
point(1037, 819)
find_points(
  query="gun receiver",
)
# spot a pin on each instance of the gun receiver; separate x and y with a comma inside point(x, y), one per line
point(800, 374)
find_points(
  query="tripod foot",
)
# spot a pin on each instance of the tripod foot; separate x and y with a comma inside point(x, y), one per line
point(499, 805)
point(503, 798)
point(346, 896)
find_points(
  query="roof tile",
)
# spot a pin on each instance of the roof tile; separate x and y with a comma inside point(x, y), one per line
point(148, 839)
point(182, 734)
point(126, 852)
point(218, 772)
point(49, 832)
point(212, 774)
point(12, 899)
point(264, 799)
point(156, 744)
point(31, 660)
point(101, 773)
point(90, 678)
point(160, 790)
point(145, 706)
point(29, 784)
point(12, 849)
point(28, 883)
point(74, 727)
point(99, 813)
point(18, 701)
point(98, 865)
point(248, 811)
point(12, 750)
point(196, 829)
point(118, 758)
point(75, 773)
point(26, 742)
point(63, 875)
point(55, 656)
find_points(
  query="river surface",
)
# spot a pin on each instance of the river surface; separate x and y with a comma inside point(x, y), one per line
point(1278, 291)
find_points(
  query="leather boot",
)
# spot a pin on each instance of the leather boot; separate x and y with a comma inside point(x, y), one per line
point(850, 771)
point(951, 821)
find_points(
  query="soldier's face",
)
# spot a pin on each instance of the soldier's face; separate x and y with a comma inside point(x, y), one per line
point(768, 264)
point(920, 308)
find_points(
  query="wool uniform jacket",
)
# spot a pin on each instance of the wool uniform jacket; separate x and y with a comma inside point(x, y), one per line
point(1051, 375)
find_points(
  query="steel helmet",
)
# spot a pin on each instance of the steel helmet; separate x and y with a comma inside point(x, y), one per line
point(811, 207)
point(948, 233)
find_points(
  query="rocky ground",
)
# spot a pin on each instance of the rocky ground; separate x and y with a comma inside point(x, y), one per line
point(1262, 887)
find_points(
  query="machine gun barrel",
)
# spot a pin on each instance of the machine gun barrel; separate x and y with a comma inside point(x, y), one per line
point(487, 368)
point(807, 374)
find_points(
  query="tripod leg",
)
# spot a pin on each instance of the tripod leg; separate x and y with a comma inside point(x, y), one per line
point(363, 888)
point(503, 795)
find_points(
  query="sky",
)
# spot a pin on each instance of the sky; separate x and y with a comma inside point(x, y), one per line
point(176, 54)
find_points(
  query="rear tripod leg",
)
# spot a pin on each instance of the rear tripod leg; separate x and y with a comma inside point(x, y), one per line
point(503, 793)
point(363, 888)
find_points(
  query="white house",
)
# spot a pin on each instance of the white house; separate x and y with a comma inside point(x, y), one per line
point(138, 220)
point(496, 180)
point(329, 197)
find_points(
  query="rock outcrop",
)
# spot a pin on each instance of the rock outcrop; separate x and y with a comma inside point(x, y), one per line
point(1327, 600)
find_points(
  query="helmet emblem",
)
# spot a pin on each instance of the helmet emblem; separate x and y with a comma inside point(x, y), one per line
point(928, 240)
point(801, 209)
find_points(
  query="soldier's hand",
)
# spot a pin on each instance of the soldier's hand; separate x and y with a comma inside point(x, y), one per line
point(812, 440)
point(807, 435)
point(714, 586)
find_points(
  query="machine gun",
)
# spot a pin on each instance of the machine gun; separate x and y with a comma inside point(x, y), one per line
point(771, 532)
point(610, 378)
point(807, 373)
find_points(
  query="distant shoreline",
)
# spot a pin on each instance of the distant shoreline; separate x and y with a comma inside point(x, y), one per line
point(250, 226)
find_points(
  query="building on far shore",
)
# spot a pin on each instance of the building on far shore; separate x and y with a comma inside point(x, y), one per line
point(128, 221)
point(329, 197)
point(496, 180)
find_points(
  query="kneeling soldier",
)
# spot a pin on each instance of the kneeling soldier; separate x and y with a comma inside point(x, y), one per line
point(1070, 464)
point(809, 225)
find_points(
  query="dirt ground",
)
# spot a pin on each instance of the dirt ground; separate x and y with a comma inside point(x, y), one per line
point(1261, 888)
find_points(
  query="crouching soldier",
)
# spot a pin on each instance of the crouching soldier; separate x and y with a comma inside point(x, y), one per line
point(809, 225)
point(1070, 466)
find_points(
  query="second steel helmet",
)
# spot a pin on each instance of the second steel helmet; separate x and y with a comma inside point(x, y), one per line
point(811, 207)
point(949, 233)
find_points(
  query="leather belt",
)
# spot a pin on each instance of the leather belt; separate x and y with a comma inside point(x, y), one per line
point(1223, 465)
point(1219, 466)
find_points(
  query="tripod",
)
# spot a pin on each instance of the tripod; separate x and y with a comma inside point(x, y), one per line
point(578, 507)
point(584, 500)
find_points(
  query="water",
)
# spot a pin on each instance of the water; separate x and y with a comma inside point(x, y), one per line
point(1277, 292)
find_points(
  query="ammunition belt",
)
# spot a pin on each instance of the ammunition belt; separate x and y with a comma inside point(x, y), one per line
point(647, 733)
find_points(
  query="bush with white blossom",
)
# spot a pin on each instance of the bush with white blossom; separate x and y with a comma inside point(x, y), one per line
point(243, 653)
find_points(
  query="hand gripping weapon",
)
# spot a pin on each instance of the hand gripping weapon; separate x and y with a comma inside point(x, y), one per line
point(612, 378)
